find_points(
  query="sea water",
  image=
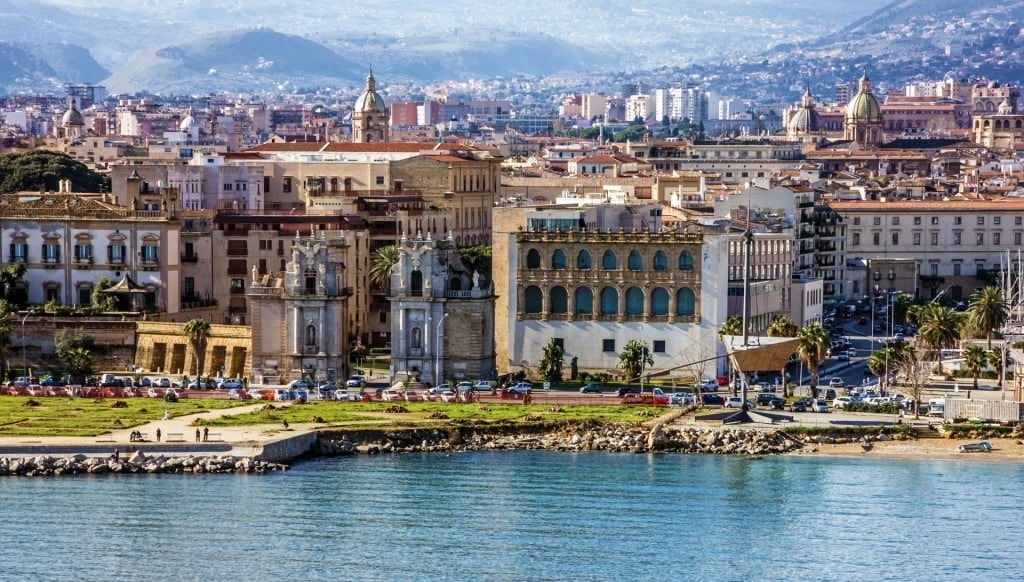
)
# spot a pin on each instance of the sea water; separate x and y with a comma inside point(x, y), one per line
point(525, 515)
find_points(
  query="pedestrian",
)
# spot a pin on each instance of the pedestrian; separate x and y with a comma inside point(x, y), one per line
point(968, 394)
point(117, 455)
point(206, 434)
point(286, 425)
point(157, 435)
point(197, 435)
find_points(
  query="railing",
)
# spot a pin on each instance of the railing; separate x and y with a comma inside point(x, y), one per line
point(189, 257)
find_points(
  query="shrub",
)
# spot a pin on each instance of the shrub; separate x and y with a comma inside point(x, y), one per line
point(170, 397)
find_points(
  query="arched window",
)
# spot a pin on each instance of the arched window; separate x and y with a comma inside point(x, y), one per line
point(660, 261)
point(686, 302)
point(609, 301)
point(533, 299)
point(584, 300)
point(659, 301)
point(685, 261)
point(634, 301)
point(583, 260)
point(609, 261)
point(455, 284)
point(559, 300)
point(634, 262)
point(558, 259)
point(533, 259)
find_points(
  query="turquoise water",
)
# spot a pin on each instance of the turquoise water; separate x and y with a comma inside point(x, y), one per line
point(526, 515)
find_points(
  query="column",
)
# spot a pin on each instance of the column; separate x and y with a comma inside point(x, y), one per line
point(320, 331)
point(297, 331)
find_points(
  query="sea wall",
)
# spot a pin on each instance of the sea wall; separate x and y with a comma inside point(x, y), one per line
point(288, 448)
point(46, 466)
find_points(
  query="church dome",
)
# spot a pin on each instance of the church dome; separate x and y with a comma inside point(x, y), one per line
point(72, 116)
point(370, 100)
point(806, 119)
point(864, 107)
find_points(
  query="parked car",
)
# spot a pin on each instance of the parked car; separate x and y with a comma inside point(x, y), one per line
point(723, 380)
point(238, 394)
point(342, 395)
point(355, 382)
point(801, 404)
point(483, 386)
point(819, 405)
point(681, 399)
point(440, 389)
point(841, 402)
point(523, 387)
point(591, 388)
point(769, 400)
point(464, 386)
point(230, 384)
point(736, 401)
point(708, 385)
point(298, 385)
point(836, 382)
point(713, 399)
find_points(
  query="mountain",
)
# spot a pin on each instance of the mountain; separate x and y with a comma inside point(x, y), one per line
point(46, 66)
point(245, 61)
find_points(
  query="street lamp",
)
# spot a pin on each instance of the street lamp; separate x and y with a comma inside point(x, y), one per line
point(437, 351)
point(24, 360)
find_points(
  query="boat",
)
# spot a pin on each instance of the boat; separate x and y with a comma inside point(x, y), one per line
point(982, 447)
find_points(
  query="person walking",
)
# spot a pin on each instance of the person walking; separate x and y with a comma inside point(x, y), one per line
point(206, 434)
point(197, 435)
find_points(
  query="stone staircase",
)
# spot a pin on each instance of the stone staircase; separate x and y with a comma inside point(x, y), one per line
point(926, 431)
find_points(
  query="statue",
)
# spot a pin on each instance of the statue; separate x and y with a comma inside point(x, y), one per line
point(574, 370)
point(255, 276)
point(476, 280)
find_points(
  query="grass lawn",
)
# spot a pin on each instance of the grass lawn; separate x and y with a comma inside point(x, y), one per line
point(57, 416)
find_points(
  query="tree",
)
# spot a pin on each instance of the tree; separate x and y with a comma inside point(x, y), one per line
point(68, 339)
point(914, 367)
point(78, 362)
point(733, 326)
point(551, 361)
point(380, 267)
point(884, 360)
point(38, 169)
point(995, 360)
point(197, 330)
point(10, 277)
point(814, 341)
point(975, 359)
point(783, 327)
point(988, 312)
point(938, 327)
point(104, 301)
point(634, 357)
point(477, 258)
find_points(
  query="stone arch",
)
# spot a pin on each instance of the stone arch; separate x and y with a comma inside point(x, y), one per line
point(686, 302)
point(533, 299)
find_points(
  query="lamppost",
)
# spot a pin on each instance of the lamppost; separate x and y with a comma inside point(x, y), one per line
point(24, 360)
point(437, 351)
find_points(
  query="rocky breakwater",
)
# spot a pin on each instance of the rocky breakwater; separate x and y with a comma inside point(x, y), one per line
point(45, 466)
point(618, 438)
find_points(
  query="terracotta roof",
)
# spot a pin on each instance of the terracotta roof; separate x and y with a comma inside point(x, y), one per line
point(1007, 204)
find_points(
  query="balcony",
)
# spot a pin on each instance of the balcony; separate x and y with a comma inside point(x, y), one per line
point(195, 301)
point(189, 258)
point(83, 262)
point(17, 259)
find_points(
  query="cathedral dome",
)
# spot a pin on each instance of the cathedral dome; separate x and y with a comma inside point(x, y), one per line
point(863, 106)
point(806, 120)
point(72, 116)
point(370, 100)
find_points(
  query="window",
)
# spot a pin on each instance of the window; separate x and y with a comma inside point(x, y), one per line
point(584, 301)
point(958, 220)
point(956, 269)
point(686, 302)
point(83, 253)
point(116, 254)
point(583, 260)
point(608, 345)
point(1017, 220)
point(149, 253)
point(532, 259)
point(19, 252)
point(660, 261)
point(1017, 238)
point(558, 259)
point(917, 239)
point(237, 286)
point(979, 238)
point(634, 301)
point(856, 221)
point(895, 238)
point(608, 261)
point(856, 239)
point(981, 221)
point(935, 220)
point(876, 238)
point(52, 292)
point(935, 239)
point(634, 261)
point(189, 286)
point(659, 301)
point(997, 220)
point(533, 299)
point(559, 300)
point(659, 346)
point(51, 252)
point(380, 180)
point(685, 261)
point(286, 184)
point(934, 269)
point(877, 220)
point(895, 220)
point(957, 237)
point(917, 221)
point(383, 318)
point(609, 301)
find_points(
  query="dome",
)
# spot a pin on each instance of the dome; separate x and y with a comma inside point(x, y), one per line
point(863, 106)
point(806, 119)
point(370, 100)
point(72, 116)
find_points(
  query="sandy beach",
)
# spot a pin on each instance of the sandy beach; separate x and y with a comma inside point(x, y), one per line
point(1007, 450)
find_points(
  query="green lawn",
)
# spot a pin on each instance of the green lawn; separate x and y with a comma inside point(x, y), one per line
point(89, 417)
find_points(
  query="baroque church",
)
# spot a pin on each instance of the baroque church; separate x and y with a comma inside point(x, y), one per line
point(370, 117)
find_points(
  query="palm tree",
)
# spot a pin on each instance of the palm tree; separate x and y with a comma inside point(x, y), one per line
point(811, 350)
point(733, 326)
point(197, 329)
point(635, 355)
point(988, 311)
point(889, 357)
point(975, 358)
point(380, 267)
point(938, 327)
point(783, 327)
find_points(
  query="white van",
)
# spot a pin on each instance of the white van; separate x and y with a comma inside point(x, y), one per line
point(937, 407)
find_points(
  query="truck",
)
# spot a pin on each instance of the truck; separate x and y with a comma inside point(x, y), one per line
point(937, 407)
point(655, 397)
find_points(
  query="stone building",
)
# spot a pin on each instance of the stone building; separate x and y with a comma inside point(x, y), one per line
point(165, 348)
point(298, 316)
point(370, 115)
point(442, 315)
point(863, 122)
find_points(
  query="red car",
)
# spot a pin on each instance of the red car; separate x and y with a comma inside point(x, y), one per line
point(723, 380)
